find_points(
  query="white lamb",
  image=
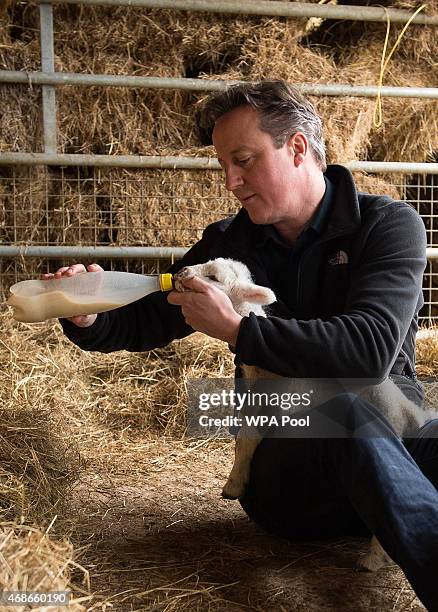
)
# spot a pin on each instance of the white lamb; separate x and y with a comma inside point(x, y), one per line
point(234, 278)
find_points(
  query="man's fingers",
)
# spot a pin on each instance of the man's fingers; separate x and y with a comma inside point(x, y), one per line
point(196, 284)
point(71, 270)
point(94, 267)
point(75, 269)
point(83, 320)
point(176, 298)
point(60, 272)
point(56, 274)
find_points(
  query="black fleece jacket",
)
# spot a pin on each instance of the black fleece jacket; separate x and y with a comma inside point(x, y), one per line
point(356, 303)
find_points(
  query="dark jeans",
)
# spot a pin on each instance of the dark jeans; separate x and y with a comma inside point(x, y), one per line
point(314, 488)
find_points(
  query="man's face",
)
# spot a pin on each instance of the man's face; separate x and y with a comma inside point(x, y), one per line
point(261, 176)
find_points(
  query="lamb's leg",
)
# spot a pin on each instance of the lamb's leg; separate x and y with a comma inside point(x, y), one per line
point(239, 476)
point(374, 559)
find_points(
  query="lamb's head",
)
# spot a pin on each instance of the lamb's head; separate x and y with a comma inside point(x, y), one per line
point(234, 279)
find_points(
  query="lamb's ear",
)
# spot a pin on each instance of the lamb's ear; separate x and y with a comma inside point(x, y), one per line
point(255, 294)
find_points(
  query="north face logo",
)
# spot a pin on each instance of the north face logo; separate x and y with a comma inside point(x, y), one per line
point(339, 258)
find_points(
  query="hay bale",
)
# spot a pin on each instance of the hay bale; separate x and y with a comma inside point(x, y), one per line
point(420, 41)
point(32, 561)
point(276, 52)
point(380, 184)
point(117, 395)
point(427, 355)
point(39, 459)
point(410, 130)
point(155, 42)
point(38, 464)
point(144, 394)
point(20, 124)
point(136, 42)
point(180, 43)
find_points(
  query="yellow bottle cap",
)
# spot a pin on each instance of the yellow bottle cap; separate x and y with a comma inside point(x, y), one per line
point(166, 283)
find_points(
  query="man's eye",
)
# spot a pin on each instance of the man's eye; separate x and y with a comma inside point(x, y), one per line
point(245, 160)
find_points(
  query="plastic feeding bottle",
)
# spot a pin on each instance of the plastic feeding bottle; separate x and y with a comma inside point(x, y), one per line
point(81, 294)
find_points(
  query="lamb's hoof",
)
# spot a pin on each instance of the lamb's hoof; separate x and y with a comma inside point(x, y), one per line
point(365, 564)
point(371, 562)
point(233, 491)
point(374, 558)
point(185, 273)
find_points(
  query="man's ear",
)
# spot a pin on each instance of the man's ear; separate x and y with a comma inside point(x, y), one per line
point(255, 294)
point(298, 145)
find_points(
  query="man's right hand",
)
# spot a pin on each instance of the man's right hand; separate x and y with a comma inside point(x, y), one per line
point(80, 320)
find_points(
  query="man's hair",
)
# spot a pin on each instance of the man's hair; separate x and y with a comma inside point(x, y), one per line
point(282, 110)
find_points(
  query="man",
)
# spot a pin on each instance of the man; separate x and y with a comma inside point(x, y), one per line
point(347, 270)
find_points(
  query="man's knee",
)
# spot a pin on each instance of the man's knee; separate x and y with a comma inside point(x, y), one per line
point(429, 430)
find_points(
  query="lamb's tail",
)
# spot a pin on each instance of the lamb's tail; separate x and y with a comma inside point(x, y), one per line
point(418, 416)
point(430, 413)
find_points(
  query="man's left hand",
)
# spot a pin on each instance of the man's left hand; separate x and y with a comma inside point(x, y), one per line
point(207, 309)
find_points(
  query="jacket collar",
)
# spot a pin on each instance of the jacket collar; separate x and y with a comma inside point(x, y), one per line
point(345, 217)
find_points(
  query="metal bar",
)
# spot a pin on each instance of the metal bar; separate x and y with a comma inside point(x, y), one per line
point(368, 91)
point(126, 161)
point(109, 80)
point(402, 167)
point(71, 78)
point(181, 162)
point(271, 8)
point(432, 253)
point(48, 65)
point(116, 252)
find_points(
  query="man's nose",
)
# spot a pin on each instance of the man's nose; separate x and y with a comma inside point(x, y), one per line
point(233, 178)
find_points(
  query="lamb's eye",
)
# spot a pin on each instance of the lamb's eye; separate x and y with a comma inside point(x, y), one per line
point(212, 277)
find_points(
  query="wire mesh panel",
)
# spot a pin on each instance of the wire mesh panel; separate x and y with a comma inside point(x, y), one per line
point(421, 191)
point(85, 206)
point(92, 206)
